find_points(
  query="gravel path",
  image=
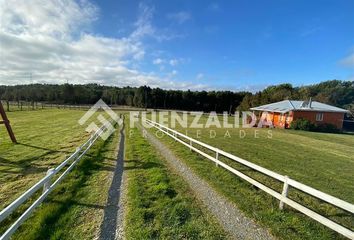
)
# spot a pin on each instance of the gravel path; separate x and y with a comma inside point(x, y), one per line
point(230, 217)
point(112, 225)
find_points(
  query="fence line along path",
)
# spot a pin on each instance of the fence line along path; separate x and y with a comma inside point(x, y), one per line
point(45, 183)
point(287, 182)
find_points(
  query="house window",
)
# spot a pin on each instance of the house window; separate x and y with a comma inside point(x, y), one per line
point(319, 117)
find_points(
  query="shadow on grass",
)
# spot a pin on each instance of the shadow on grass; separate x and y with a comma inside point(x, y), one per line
point(73, 202)
point(25, 166)
point(43, 148)
point(20, 168)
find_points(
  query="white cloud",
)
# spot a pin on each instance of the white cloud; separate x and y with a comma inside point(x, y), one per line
point(348, 61)
point(51, 41)
point(174, 62)
point(199, 76)
point(172, 74)
point(310, 30)
point(143, 25)
point(179, 17)
point(214, 7)
point(158, 61)
point(55, 18)
point(145, 28)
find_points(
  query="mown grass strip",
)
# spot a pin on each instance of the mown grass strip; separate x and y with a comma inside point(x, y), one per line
point(75, 209)
point(160, 204)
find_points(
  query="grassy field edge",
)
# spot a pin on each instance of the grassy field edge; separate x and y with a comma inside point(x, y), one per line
point(160, 204)
point(74, 210)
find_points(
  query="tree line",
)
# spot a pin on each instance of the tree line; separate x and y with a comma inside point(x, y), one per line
point(334, 92)
point(142, 97)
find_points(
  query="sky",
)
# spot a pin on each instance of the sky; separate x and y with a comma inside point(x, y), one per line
point(177, 44)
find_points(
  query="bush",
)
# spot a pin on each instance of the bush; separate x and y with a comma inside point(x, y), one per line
point(306, 125)
point(302, 124)
point(327, 128)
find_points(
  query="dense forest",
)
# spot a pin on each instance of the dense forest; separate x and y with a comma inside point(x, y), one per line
point(334, 92)
point(144, 97)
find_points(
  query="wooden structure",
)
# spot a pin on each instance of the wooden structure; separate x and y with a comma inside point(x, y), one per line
point(6, 121)
point(281, 114)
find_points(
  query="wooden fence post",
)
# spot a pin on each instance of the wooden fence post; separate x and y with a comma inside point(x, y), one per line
point(216, 157)
point(284, 192)
point(6, 121)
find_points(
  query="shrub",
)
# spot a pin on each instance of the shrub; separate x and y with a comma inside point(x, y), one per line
point(306, 125)
point(327, 128)
point(303, 124)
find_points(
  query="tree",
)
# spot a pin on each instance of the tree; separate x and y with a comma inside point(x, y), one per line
point(334, 92)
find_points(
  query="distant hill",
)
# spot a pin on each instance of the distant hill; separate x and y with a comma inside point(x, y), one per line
point(334, 92)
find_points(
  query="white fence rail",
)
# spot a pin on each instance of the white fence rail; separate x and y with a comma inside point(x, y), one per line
point(45, 183)
point(282, 197)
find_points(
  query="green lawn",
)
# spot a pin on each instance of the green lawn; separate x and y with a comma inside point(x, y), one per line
point(323, 161)
point(74, 210)
point(45, 138)
point(160, 204)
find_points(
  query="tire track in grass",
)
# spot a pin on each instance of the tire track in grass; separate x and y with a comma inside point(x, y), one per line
point(230, 217)
point(112, 224)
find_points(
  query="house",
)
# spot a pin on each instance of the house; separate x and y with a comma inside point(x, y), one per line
point(282, 113)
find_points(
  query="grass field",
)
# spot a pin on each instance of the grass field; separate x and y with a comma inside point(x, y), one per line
point(323, 161)
point(160, 204)
point(46, 137)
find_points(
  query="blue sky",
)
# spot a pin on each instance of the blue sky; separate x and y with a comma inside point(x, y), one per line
point(231, 45)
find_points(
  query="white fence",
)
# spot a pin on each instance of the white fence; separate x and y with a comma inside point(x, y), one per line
point(282, 197)
point(45, 182)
